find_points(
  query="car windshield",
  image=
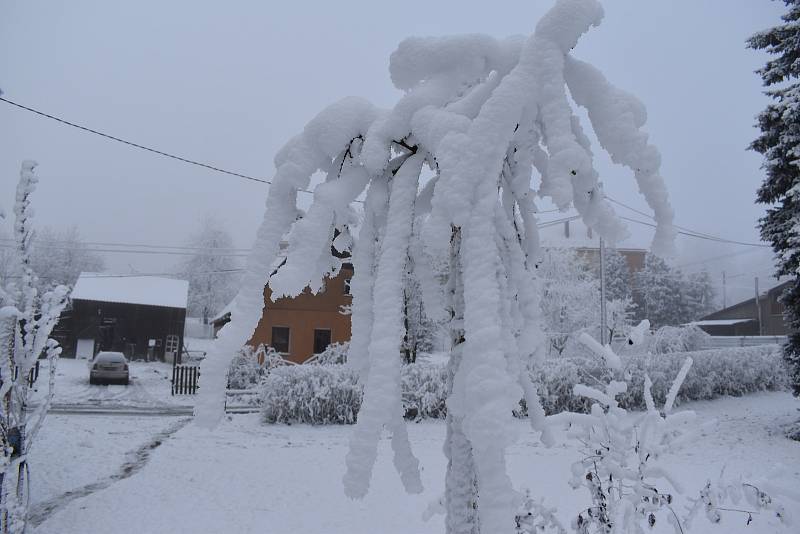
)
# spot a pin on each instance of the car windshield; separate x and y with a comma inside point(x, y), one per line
point(110, 357)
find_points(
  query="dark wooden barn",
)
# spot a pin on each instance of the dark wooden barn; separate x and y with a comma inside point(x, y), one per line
point(750, 318)
point(141, 316)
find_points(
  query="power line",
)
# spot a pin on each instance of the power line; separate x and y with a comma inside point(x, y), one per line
point(134, 275)
point(131, 251)
point(684, 230)
point(135, 145)
point(134, 245)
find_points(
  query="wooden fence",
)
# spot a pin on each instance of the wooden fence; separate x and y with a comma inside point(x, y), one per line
point(184, 379)
point(33, 375)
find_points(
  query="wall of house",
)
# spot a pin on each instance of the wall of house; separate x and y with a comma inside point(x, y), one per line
point(125, 328)
point(305, 313)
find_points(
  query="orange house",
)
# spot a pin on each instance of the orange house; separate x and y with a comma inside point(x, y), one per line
point(305, 325)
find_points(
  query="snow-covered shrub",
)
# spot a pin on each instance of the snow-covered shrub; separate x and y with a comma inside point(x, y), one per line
point(716, 372)
point(333, 354)
point(424, 387)
point(679, 339)
point(246, 371)
point(328, 394)
point(737, 496)
point(312, 394)
point(619, 465)
point(27, 319)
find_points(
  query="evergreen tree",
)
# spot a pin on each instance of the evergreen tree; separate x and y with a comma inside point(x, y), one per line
point(779, 142)
point(660, 293)
point(618, 276)
point(700, 295)
point(570, 296)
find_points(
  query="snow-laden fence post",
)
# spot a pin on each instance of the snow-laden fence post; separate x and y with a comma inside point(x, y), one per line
point(447, 176)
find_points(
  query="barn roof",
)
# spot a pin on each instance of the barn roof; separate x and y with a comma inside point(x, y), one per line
point(146, 290)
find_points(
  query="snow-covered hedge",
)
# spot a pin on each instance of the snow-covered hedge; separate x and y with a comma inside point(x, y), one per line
point(326, 394)
point(679, 339)
point(313, 394)
point(716, 372)
point(424, 389)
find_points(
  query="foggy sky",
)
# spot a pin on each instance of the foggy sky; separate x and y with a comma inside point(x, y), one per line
point(228, 83)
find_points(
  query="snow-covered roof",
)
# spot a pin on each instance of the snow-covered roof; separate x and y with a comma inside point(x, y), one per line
point(720, 322)
point(146, 290)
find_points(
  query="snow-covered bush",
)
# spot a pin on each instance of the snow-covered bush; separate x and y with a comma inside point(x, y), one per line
point(27, 319)
point(679, 339)
point(716, 372)
point(246, 371)
point(328, 394)
point(311, 394)
point(335, 353)
point(424, 387)
point(731, 371)
point(619, 464)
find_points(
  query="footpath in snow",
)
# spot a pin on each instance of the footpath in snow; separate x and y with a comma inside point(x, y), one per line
point(246, 477)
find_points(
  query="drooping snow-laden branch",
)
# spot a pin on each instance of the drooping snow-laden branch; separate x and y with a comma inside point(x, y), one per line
point(485, 128)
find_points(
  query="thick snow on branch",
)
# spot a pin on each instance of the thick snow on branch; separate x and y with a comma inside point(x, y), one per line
point(617, 118)
point(485, 116)
point(382, 389)
point(322, 140)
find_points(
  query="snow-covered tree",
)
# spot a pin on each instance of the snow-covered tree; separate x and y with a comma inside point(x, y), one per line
point(660, 293)
point(779, 142)
point(483, 117)
point(570, 296)
point(212, 271)
point(700, 295)
point(618, 276)
point(26, 320)
point(58, 257)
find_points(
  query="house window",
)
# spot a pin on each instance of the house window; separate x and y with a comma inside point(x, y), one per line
point(322, 338)
point(280, 338)
point(347, 286)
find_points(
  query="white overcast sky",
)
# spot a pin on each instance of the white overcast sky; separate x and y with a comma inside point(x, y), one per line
point(229, 82)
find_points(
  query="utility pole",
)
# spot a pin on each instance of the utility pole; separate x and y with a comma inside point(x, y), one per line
point(603, 316)
point(724, 290)
point(758, 310)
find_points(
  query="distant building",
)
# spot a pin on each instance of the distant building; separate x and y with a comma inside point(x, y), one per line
point(141, 316)
point(742, 319)
point(305, 325)
point(574, 234)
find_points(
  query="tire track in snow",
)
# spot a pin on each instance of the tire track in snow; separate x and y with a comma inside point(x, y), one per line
point(137, 460)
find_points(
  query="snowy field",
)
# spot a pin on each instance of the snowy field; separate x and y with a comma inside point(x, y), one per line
point(247, 477)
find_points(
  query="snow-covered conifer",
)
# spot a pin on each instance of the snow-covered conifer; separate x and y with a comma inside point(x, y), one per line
point(492, 122)
point(779, 142)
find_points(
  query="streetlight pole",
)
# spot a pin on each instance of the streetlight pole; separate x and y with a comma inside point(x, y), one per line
point(603, 315)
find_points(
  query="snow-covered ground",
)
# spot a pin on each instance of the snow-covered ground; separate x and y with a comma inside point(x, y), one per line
point(247, 477)
point(74, 452)
point(150, 386)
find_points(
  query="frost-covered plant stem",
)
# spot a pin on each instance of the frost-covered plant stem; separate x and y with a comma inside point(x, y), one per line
point(27, 321)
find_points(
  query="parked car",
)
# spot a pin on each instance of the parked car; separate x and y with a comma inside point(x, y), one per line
point(109, 367)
